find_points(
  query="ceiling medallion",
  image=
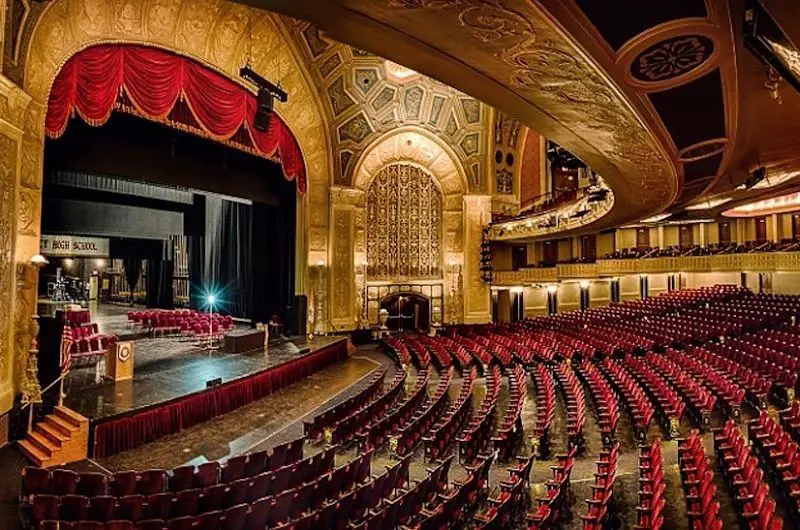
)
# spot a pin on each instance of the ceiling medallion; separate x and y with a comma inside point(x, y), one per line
point(702, 150)
point(671, 58)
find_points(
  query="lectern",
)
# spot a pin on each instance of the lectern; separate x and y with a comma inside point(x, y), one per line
point(119, 360)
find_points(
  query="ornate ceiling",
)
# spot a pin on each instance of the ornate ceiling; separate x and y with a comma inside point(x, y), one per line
point(367, 96)
point(515, 56)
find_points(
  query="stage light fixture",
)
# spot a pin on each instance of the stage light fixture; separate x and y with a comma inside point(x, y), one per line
point(265, 99)
point(264, 107)
point(211, 299)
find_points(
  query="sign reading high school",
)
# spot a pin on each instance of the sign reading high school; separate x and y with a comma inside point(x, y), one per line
point(76, 246)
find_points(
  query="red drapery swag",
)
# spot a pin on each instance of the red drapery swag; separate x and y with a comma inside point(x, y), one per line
point(167, 88)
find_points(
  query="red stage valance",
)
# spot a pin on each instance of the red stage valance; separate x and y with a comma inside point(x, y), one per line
point(168, 88)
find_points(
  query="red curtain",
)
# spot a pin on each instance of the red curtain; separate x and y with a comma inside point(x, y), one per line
point(121, 434)
point(151, 82)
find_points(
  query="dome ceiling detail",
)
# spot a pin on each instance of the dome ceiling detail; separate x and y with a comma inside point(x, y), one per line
point(368, 96)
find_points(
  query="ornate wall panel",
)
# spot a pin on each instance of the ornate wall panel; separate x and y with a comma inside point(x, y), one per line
point(9, 168)
point(477, 214)
point(404, 216)
point(342, 302)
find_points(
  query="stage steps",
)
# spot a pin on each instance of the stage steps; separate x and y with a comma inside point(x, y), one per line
point(61, 438)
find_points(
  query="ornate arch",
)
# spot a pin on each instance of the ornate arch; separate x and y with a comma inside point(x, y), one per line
point(212, 32)
point(412, 145)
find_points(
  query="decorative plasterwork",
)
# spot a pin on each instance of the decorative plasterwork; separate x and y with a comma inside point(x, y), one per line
point(388, 96)
point(671, 58)
point(519, 59)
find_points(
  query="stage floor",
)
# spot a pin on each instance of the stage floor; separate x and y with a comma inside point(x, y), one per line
point(167, 368)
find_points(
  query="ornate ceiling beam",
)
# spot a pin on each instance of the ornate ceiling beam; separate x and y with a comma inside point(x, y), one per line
point(513, 55)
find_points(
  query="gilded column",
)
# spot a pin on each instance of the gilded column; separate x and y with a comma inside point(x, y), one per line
point(477, 214)
point(342, 268)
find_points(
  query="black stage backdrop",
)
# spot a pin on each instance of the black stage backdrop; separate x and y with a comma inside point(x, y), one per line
point(245, 249)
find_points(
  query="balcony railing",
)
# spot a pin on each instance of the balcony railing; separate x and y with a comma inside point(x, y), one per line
point(756, 262)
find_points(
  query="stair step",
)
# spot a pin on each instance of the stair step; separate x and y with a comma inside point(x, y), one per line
point(55, 436)
point(58, 423)
point(70, 416)
point(41, 443)
point(32, 453)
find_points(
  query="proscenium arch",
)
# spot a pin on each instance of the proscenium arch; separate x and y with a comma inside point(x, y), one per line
point(213, 33)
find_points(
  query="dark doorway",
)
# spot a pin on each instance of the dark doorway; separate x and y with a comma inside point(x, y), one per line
point(642, 238)
point(761, 229)
point(519, 257)
point(685, 236)
point(724, 232)
point(408, 312)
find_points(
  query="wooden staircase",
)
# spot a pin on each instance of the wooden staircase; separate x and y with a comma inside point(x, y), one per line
point(61, 438)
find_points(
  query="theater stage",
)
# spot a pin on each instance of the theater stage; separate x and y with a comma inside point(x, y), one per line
point(168, 368)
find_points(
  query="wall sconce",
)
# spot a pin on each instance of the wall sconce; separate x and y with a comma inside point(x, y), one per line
point(584, 284)
point(39, 260)
point(552, 288)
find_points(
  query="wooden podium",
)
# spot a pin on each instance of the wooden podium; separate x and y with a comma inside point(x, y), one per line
point(119, 361)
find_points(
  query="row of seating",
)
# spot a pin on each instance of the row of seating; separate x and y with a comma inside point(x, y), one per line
point(448, 507)
point(377, 431)
point(575, 402)
point(730, 395)
point(331, 416)
point(779, 455)
point(409, 434)
point(444, 430)
point(790, 420)
point(606, 404)
point(206, 506)
point(545, 405)
point(510, 501)
point(344, 430)
point(598, 515)
point(745, 479)
point(476, 435)
point(554, 508)
point(782, 379)
point(634, 397)
point(697, 479)
point(509, 431)
point(88, 344)
point(700, 401)
point(670, 406)
point(756, 387)
point(285, 463)
point(652, 487)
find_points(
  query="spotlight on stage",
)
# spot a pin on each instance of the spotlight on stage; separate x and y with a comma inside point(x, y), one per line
point(211, 300)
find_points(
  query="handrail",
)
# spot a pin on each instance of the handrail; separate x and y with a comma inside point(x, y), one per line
point(48, 387)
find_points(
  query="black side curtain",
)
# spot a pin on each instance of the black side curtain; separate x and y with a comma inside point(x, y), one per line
point(133, 269)
point(227, 260)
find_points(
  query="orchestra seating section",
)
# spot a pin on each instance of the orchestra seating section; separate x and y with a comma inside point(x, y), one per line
point(183, 322)
point(452, 433)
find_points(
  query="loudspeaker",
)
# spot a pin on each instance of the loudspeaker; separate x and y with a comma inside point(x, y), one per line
point(300, 314)
point(264, 104)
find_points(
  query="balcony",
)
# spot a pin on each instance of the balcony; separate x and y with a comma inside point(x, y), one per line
point(754, 262)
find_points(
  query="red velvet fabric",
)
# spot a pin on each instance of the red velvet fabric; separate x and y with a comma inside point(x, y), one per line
point(149, 82)
point(113, 436)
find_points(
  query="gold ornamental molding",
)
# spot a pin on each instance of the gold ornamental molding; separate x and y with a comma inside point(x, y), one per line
point(515, 56)
point(764, 262)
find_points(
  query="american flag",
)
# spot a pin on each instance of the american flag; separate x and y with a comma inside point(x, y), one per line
point(66, 346)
